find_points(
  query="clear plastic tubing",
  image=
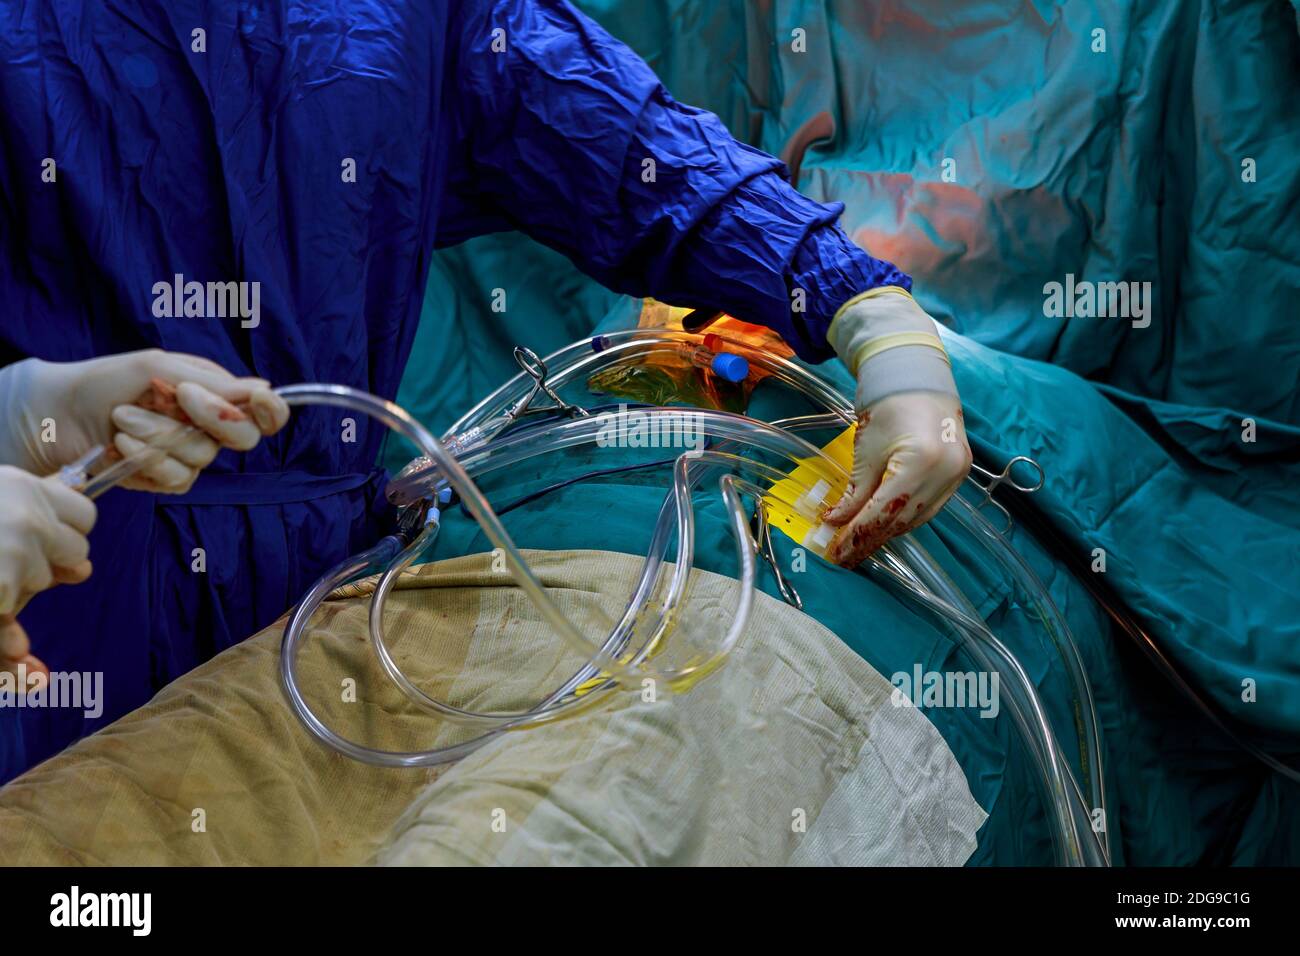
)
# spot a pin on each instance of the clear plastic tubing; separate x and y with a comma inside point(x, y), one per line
point(400, 421)
point(675, 513)
point(386, 555)
point(726, 365)
point(587, 356)
point(1030, 716)
point(563, 434)
point(581, 359)
point(1054, 623)
point(977, 526)
point(1076, 843)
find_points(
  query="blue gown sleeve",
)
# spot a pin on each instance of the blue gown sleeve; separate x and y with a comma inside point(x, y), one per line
point(563, 132)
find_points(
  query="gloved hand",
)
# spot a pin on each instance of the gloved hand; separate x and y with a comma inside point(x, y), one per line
point(43, 528)
point(910, 451)
point(57, 411)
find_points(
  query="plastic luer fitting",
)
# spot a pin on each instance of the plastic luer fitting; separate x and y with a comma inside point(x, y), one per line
point(733, 368)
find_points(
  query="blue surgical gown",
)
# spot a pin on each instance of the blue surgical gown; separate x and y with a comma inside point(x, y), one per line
point(323, 149)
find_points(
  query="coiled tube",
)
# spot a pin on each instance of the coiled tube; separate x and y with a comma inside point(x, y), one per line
point(610, 659)
point(583, 358)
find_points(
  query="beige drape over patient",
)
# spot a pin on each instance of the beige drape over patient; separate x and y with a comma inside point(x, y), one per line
point(791, 754)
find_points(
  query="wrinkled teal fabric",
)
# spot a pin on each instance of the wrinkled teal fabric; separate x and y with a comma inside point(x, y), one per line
point(1116, 165)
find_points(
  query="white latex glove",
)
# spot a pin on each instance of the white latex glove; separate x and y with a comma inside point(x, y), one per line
point(83, 404)
point(910, 451)
point(43, 528)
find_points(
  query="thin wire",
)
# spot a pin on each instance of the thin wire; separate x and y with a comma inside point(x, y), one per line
point(576, 479)
point(1116, 608)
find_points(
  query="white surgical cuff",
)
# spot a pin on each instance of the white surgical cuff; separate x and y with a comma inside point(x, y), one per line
point(891, 345)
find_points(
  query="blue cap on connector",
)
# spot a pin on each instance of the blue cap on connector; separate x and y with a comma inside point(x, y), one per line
point(732, 368)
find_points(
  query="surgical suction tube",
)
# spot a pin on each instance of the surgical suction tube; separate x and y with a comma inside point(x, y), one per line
point(389, 552)
point(581, 359)
point(617, 641)
point(1026, 708)
point(481, 455)
point(677, 511)
point(563, 434)
point(674, 513)
point(399, 420)
point(1053, 622)
point(584, 357)
point(1073, 832)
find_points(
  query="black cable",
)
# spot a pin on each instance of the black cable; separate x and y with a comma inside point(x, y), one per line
point(1116, 609)
point(601, 473)
point(543, 492)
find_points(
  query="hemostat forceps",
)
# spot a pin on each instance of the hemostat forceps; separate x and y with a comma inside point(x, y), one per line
point(761, 529)
point(415, 481)
point(1005, 477)
point(535, 368)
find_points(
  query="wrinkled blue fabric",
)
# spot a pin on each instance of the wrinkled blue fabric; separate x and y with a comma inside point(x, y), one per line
point(228, 163)
point(567, 136)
